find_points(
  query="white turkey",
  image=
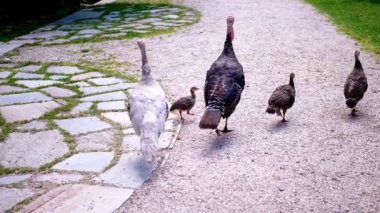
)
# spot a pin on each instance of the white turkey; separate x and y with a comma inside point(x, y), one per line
point(148, 109)
point(224, 85)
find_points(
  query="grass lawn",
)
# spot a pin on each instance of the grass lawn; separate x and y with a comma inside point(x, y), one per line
point(358, 18)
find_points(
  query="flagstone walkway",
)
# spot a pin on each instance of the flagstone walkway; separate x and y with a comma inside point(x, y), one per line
point(66, 141)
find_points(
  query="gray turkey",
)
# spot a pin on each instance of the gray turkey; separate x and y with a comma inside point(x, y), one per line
point(185, 103)
point(282, 98)
point(223, 86)
point(356, 85)
point(148, 109)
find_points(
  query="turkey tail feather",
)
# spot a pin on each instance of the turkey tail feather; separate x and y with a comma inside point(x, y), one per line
point(210, 119)
point(149, 136)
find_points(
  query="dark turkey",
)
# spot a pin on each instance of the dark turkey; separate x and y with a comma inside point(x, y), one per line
point(224, 85)
point(356, 84)
point(282, 98)
point(185, 103)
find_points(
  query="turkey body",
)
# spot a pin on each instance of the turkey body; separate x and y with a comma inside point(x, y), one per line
point(282, 98)
point(223, 86)
point(185, 103)
point(148, 109)
point(356, 85)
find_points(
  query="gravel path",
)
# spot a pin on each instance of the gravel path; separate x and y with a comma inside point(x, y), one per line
point(321, 160)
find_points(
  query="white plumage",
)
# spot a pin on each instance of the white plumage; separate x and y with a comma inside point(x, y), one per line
point(148, 109)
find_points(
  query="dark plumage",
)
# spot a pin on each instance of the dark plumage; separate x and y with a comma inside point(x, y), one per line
point(224, 85)
point(282, 98)
point(356, 84)
point(185, 103)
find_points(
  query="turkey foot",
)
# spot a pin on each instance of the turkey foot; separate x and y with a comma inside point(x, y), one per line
point(283, 116)
point(182, 119)
point(353, 112)
point(225, 130)
point(190, 113)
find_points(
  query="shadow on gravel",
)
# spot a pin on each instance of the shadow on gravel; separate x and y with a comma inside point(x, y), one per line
point(279, 126)
point(219, 143)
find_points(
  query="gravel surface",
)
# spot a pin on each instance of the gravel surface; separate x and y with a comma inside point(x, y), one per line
point(321, 160)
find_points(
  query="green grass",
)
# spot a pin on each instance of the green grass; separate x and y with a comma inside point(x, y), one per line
point(358, 18)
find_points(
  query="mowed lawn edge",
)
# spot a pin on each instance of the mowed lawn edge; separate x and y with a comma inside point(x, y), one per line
point(357, 18)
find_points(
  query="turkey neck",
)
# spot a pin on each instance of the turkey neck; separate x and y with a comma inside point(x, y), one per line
point(358, 64)
point(145, 65)
point(291, 82)
point(144, 58)
point(192, 94)
point(228, 48)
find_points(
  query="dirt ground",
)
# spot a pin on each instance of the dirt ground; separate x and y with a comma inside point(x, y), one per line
point(322, 160)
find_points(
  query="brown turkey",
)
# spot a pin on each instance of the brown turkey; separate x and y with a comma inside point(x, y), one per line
point(282, 98)
point(224, 85)
point(356, 85)
point(185, 103)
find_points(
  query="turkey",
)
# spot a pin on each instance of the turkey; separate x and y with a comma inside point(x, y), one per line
point(185, 103)
point(148, 109)
point(356, 85)
point(282, 98)
point(224, 85)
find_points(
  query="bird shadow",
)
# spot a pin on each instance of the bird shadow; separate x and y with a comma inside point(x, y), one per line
point(142, 168)
point(218, 143)
point(279, 126)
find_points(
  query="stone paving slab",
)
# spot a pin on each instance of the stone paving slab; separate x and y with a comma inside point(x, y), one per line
point(30, 68)
point(11, 196)
point(80, 84)
point(81, 199)
point(76, 126)
point(32, 149)
point(10, 89)
point(10, 179)
point(44, 35)
point(23, 98)
point(58, 92)
point(99, 141)
point(82, 107)
point(113, 96)
point(57, 178)
point(131, 143)
point(5, 74)
point(89, 31)
point(5, 48)
point(86, 162)
point(106, 81)
point(121, 118)
point(131, 171)
point(33, 125)
point(23, 75)
point(111, 105)
point(109, 88)
point(27, 111)
point(80, 37)
point(165, 140)
point(87, 75)
point(57, 77)
point(64, 70)
point(79, 16)
point(37, 83)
